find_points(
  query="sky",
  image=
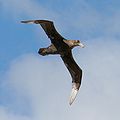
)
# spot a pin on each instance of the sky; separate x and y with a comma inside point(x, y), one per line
point(33, 87)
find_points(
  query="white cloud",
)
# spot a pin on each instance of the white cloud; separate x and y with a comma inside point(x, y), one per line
point(84, 20)
point(5, 114)
point(29, 8)
point(47, 84)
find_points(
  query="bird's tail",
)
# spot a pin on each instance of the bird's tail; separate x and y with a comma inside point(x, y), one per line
point(74, 92)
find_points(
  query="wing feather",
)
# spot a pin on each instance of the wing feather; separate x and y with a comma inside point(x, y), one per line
point(74, 69)
point(76, 74)
point(48, 27)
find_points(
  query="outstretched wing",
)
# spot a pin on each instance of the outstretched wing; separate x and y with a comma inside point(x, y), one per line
point(76, 74)
point(48, 27)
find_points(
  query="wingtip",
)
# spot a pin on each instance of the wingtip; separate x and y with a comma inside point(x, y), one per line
point(28, 21)
point(74, 92)
point(73, 95)
point(23, 21)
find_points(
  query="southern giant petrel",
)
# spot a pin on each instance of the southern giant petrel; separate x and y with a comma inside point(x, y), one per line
point(63, 47)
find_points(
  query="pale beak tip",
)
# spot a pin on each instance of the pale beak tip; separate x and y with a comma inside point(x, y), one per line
point(81, 45)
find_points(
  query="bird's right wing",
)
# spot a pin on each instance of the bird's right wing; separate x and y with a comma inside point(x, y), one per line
point(48, 27)
point(76, 74)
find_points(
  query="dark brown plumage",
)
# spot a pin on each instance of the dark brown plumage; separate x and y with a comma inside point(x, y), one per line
point(59, 45)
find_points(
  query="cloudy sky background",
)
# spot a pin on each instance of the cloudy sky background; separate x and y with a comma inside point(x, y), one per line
point(33, 87)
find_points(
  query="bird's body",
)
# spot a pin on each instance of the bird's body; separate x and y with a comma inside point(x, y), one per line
point(59, 45)
point(57, 50)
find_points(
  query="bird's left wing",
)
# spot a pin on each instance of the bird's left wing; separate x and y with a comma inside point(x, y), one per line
point(76, 74)
point(48, 27)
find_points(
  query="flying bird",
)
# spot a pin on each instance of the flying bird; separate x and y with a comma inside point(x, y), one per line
point(63, 47)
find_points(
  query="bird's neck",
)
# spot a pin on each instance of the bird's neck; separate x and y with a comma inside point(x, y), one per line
point(70, 43)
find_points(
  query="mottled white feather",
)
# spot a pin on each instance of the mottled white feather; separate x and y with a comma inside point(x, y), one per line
point(73, 95)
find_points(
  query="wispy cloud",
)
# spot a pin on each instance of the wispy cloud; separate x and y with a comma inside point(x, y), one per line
point(44, 82)
point(30, 8)
point(83, 19)
point(48, 91)
point(5, 114)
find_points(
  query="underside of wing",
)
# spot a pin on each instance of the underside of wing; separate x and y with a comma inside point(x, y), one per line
point(76, 74)
point(48, 27)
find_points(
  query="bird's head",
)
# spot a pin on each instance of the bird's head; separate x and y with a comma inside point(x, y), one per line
point(78, 43)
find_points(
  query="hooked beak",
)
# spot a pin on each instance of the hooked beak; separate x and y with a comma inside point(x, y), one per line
point(81, 45)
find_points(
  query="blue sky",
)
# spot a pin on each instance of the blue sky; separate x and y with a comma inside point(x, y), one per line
point(33, 87)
